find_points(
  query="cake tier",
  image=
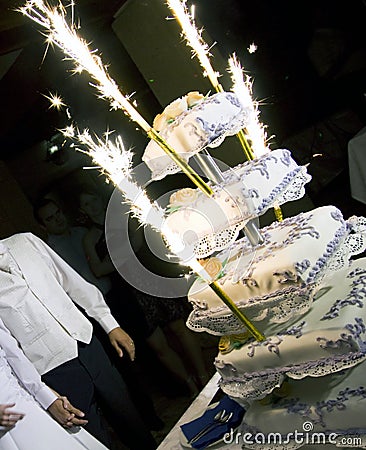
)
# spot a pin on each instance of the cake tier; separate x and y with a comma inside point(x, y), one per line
point(205, 124)
point(328, 410)
point(209, 224)
point(330, 337)
point(276, 280)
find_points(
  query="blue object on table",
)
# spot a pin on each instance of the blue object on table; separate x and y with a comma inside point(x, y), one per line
point(191, 429)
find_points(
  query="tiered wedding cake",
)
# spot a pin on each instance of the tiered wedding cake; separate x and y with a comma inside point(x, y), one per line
point(297, 284)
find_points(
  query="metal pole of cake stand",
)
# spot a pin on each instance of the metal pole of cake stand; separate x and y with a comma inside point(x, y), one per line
point(209, 167)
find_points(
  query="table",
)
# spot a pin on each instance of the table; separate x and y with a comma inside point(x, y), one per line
point(200, 403)
point(357, 165)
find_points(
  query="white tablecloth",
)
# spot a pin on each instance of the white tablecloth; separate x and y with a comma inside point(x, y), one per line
point(357, 165)
point(172, 440)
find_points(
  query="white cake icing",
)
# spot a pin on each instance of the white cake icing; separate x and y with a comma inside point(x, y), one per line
point(205, 124)
point(278, 279)
point(311, 343)
point(332, 406)
point(210, 224)
point(330, 337)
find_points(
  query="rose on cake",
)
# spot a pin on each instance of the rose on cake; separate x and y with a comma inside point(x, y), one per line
point(193, 98)
point(213, 266)
point(182, 197)
point(176, 108)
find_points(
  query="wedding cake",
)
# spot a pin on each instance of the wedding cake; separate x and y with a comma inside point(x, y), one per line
point(298, 285)
point(191, 123)
point(209, 224)
point(309, 374)
point(277, 279)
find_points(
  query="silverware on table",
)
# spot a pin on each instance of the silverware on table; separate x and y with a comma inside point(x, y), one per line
point(220, 418)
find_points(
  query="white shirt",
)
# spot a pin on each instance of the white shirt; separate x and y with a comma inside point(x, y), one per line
point(24, 370)
point(38, 293)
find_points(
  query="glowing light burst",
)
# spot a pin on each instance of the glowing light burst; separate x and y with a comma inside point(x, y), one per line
point(64, 36)
point(111, 157)
point(115, 162)
point(108, 154)
point(242, 87)
point(194, 39)
point(55, 100)
point(202, 51)
point(252, 48)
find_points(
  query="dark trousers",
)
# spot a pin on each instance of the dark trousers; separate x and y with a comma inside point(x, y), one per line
point(130, 373)
point(91, 381)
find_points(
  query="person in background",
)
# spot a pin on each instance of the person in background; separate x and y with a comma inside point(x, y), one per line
point(158, 312)
point(67, 241)
point(33, 428)
point(41, 298)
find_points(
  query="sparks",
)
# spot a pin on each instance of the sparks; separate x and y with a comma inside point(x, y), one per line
point(193, 11)
point(53, 20)
point(193, 37)
point(76, 49)
point(55, 100)
point(115, 162)
point(242, 86)
point(252, 48)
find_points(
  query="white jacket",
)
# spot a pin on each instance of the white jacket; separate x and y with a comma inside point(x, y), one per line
point(38, 293)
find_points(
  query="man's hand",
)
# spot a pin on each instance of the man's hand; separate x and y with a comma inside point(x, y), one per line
point(121, 340)
point(9, 418)
point(65, 413)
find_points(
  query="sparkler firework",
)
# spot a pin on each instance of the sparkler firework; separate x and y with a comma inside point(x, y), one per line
point(202, 51)
point(194, 40)
point(64, 36)
point(242, 86)
point(116, 163)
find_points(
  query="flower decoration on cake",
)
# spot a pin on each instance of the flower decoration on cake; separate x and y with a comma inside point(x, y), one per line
point(214, 267)
point(230, 342)
point(181, 198)
point(176, 108)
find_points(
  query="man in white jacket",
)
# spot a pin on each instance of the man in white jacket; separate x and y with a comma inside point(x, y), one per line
point(23, 422)
point(41, 299)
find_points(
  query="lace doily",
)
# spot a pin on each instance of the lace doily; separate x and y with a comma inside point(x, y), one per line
point(277, 308)
point(354, 244)
point(257, 385)
point(285, 302)
point(210, 224)
point(205, 124)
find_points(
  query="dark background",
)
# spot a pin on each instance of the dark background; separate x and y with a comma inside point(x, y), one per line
point(308, 72)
